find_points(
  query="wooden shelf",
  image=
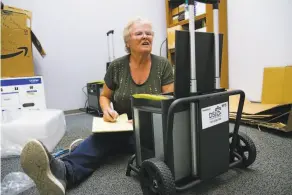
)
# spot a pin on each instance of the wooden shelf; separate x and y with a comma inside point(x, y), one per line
point(184, 22)
point(171, 50)
point(173, 9)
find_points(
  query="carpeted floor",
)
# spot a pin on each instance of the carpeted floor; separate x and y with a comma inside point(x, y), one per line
point(270, 174)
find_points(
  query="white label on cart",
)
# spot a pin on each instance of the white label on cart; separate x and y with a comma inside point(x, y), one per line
point(214, 115)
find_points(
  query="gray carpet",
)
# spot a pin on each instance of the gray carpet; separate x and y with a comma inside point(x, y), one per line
point(270, 174)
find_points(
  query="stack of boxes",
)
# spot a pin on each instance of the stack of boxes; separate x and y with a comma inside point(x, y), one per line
point(179, 13)
point(20, 87)
point(23, 104)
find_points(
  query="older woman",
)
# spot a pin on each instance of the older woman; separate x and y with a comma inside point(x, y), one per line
point(137, 72)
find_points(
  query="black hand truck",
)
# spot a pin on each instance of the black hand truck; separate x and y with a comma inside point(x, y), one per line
point(183, 141)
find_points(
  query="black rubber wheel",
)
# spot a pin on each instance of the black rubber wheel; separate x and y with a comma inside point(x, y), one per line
point(156, 178)
point(246, 148)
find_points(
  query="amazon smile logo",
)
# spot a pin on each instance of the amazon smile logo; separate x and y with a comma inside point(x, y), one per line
point(11, 55)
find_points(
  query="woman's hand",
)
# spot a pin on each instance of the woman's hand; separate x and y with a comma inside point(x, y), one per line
point(110, 115)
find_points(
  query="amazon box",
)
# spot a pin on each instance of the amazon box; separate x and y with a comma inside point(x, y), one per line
point(16, 43)
point(277, 85)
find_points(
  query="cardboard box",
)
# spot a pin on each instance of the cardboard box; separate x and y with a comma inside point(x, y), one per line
point(270, 116)
point(277, 85)
point(178, 10)
point(22, 93)
point(16, 43)
point(171, 36)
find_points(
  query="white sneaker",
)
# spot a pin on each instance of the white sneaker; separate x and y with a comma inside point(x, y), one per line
point(48, 173)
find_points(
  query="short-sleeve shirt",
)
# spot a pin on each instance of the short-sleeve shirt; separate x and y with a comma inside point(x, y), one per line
point(118, 78)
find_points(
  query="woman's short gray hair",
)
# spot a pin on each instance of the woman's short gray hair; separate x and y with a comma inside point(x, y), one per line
point(127, 30)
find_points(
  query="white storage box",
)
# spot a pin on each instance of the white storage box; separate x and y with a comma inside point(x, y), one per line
point(18, 127)
point(25, 93)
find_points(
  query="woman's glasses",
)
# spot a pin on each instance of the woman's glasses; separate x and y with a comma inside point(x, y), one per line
point(141, 34)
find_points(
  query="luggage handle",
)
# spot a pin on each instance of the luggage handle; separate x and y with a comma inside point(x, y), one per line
point(108, 43)
point(215, 4)
point(110, 32)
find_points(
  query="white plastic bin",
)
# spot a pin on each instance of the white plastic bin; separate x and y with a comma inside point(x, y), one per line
point(17, 127)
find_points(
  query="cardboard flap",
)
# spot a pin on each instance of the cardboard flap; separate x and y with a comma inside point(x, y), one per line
point(259, 116)
point(37, 44)
point(271, 116)
point(256, 108)
point(289, 123)
point(18, 10)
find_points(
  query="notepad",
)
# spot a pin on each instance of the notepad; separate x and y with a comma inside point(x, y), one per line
point(121, 124)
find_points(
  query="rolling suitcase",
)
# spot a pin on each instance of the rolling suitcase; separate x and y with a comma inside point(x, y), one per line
point(94, 88)
point(111, 51)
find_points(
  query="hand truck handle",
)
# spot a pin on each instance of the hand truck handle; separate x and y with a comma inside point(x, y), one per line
point(216, 43)
point(193, 69)
point(193, 99)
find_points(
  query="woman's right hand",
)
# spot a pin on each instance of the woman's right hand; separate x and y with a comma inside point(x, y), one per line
point(110, 115)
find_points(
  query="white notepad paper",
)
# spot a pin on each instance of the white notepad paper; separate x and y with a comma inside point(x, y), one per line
point(121, 124)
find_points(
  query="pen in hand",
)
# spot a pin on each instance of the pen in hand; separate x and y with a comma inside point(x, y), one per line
point(113, 114)
point(110, 115)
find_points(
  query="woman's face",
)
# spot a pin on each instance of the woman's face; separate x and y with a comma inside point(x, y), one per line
point(141, 38)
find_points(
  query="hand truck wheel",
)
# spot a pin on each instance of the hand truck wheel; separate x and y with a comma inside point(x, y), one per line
point(246, 148)
point(156, 178)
